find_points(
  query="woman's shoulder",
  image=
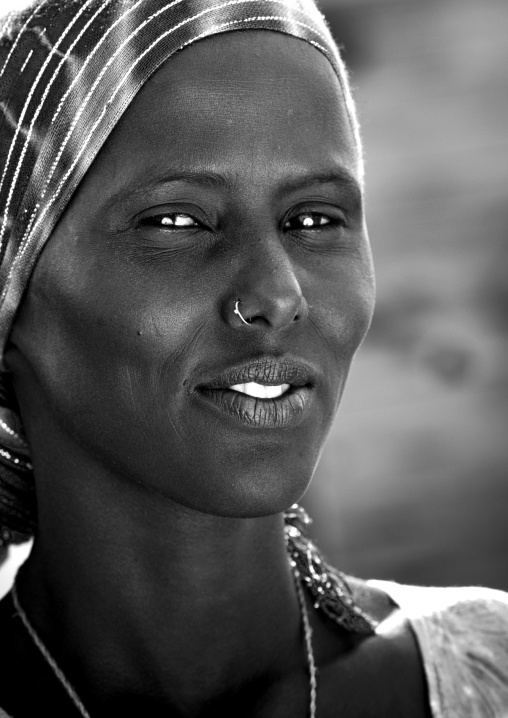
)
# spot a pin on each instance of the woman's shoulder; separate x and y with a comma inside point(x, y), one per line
point(462, 635)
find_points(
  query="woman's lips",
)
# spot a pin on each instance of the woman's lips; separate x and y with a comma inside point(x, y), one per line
point(283, 411)
point(264, 393)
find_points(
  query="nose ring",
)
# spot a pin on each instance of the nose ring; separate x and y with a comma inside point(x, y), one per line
point(237, 311)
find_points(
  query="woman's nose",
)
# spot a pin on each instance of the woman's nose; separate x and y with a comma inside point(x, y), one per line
point(267, 293)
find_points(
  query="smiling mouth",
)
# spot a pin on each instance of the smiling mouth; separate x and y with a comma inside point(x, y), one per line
point(263, 394)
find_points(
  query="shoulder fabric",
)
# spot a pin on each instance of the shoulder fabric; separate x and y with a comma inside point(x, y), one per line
point(3, 714)
point(463, 638)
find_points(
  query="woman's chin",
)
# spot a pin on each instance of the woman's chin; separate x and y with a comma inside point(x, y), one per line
point(249, 493)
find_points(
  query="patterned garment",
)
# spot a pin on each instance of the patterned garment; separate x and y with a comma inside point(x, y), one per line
point(462, 634)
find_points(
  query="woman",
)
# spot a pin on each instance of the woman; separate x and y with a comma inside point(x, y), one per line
point(186, 277)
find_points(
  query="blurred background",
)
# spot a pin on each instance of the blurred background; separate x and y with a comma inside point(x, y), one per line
point(413, 483)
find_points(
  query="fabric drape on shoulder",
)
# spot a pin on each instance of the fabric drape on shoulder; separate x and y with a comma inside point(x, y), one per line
point(462, 634)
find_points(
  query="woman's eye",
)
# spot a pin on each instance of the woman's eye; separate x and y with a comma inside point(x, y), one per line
point(174, 220)
point(309, 220)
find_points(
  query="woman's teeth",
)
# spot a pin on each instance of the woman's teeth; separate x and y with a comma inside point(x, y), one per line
point(260, 391)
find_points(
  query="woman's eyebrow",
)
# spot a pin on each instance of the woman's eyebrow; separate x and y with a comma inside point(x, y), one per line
point(141, 186)
point(340, 177)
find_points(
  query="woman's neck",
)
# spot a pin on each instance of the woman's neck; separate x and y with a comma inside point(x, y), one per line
point(124, 584)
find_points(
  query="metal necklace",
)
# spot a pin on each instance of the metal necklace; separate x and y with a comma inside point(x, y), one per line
point(47, 655)
point(79, 704)
point(328, 588)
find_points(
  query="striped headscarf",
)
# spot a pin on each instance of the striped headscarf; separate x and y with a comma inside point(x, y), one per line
point(68, 71)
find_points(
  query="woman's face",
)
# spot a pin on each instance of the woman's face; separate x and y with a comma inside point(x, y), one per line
point(234, 174)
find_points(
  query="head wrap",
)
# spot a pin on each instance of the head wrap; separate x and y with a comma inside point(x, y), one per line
point(68, 71)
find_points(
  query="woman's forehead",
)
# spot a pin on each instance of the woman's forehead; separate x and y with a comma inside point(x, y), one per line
point(247, 59)
point(279, 113)
point(237, 77)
